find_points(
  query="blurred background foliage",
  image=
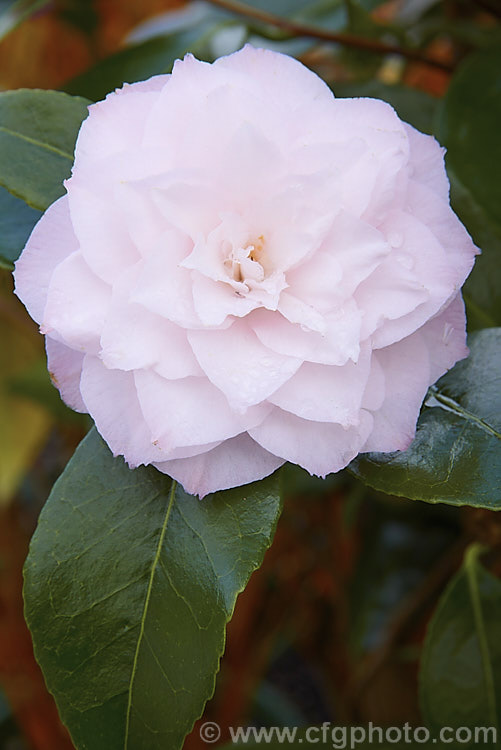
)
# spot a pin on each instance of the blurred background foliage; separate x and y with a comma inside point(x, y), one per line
point(333, 626)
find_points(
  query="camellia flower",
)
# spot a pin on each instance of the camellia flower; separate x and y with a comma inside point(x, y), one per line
point(247, 271)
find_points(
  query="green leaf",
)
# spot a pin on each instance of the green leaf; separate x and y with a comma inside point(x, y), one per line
point(129, 584)
point(468, 125)
point(456, 455)
point(38, 130)
point(16, 222)
point(460, 676)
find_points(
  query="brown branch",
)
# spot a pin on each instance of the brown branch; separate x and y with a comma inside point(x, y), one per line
point(315, 32)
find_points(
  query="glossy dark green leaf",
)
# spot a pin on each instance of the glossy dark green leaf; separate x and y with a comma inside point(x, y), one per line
point(460, 677)
point(468, 125)
point(129, 584)
point(456, 454)
point(16, 222)
point(38, 130)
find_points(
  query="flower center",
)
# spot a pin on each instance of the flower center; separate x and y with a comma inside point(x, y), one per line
point(246, 265)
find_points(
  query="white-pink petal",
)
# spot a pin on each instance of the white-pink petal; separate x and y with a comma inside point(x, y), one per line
point(65, 370)
point(104, 240)
point(338, 343)
point(427, 163)
point(51, 241)
point(406, 368)
point(110, 397)
point(190, 411)
point(133, 337)
point(445, 338)
point(117, 123)
point(235, 462)
point(77, 303)
point(163, 287)
point(318, 447)
point(239, 365)
point(326, 393)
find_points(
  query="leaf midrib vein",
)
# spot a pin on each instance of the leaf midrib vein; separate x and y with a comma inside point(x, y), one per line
point(145, 609)
point(452, 405)
point(36, 142)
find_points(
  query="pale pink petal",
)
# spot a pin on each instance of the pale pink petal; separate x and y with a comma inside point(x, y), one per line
point(357, 247)
point(390, 293)
point(302, 313)
point(326, 393)
point(292, 227)
point(372, 120)
point(214, 301)
point(248, 152)
point(418, 250)
point(375, 391)
point(445, 338)
point(239, 365)
point(51, 241)
point(144, 222)
point(190, 80)
point(188, 451)
point(65, 369)
point(368, 186)
point(335, 346)
point(282, 77)
point(406, 368)
point(190, 411)
point(427, 162)
point(117, 123)
point(153, 84)
point(188, 202)
point(235, 462)
point(440, 219)
point(228, 96)
point(110, 397)
point(316, 281)
point(77, 303)
point(163, 287)
point(104, 241)
point(318, 447)
point(133, 337)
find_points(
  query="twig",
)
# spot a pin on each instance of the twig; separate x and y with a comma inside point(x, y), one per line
point(315, 32)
